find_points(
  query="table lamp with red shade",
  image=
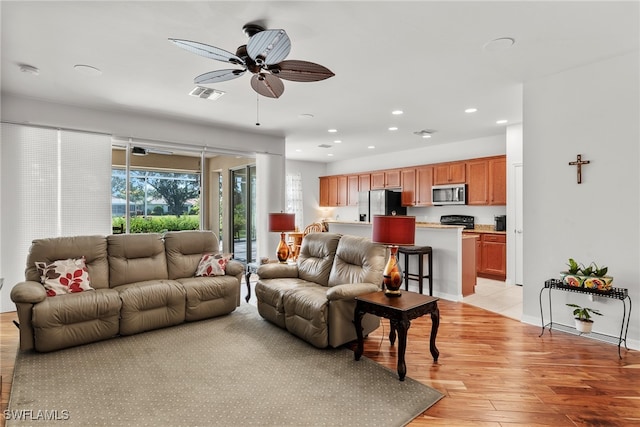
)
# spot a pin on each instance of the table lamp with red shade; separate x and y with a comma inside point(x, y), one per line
point(393, 231)
point(282, 223)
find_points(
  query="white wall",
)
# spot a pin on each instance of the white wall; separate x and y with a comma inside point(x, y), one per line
point(514, 159)
point(593, 111)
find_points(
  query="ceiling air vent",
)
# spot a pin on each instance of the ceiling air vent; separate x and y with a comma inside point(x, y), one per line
point(324, 146)
point(206, 93)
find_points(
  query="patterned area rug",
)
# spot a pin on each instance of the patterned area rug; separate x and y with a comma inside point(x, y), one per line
point(235, 370)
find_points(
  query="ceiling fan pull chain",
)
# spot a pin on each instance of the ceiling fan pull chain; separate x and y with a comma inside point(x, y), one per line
point(257, 109)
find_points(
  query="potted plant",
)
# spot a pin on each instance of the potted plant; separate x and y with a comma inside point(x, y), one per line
point(591, 276)
point(583, 317)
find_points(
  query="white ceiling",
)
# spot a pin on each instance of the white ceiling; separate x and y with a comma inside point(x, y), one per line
point(423, 57)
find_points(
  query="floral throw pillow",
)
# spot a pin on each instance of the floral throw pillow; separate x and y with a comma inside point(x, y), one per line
point(212, 265)
point(64, 276)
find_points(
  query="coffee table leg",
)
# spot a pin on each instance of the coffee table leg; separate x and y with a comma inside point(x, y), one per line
point(435, 323)
point(357, 321)
point(401, 326)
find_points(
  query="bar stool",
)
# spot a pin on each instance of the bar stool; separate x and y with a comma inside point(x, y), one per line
point(421, 251)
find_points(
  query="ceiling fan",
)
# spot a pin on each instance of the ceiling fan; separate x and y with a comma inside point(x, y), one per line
point(263, 55)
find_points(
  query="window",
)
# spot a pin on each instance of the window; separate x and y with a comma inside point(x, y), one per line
point(294, 198)
point(158, 200)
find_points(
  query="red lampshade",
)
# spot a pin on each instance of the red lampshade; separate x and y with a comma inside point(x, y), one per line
point(282, 222)
point(394, 230)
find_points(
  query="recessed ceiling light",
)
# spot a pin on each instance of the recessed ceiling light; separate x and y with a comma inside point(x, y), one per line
point(29, 69)
point(501, 43)
point(471, 110)
point(337, 141)
point(501, 122)
point(371, 147)
point(397, 112)
point(206, 93)
point(330, 154)
point(87, 70)
point(298, 150)
point(393, 128)
point(332, 130)
point(426, 136)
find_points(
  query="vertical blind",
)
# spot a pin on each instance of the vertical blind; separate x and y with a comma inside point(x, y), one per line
point(54, 183)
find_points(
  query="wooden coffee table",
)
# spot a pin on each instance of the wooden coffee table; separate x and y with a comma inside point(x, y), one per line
point(400, 311)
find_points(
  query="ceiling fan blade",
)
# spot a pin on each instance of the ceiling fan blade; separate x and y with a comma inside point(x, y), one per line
point(269, 46)
point(267, 85)
point(207, 51)
point(218, 76)
point(301, 71)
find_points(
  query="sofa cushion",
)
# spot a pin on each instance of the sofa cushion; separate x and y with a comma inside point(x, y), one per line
point(184, 249)
point(151, 305)
point(316, 257)
point(75, 319)
point(212, 265)
point(92, 248)
point(136, 258)
point(306, 313)
point(210, 296)
point(357, 260)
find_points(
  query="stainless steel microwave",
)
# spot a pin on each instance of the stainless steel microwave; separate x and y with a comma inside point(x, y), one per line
point(451, 194)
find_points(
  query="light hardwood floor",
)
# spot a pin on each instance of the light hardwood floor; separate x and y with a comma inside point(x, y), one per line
point(493, 370)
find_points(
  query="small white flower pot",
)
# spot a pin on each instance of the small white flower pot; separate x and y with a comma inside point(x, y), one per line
point(584, 326)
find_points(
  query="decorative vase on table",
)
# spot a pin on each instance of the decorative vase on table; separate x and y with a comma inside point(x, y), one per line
point(393, 230)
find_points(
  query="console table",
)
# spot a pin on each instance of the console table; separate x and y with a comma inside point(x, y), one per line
point(400, 311)
point(621, 294)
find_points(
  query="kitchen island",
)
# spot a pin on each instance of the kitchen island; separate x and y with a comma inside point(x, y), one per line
point(446, 242)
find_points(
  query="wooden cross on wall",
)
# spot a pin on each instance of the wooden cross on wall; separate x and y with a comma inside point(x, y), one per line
point(579, 162)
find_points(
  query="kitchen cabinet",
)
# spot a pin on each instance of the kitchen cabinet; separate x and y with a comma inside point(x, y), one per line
point(491, 254)
point(324, 191)
point(498, 181)
point(353, 186)
point(408, 182)
point(469, 268)
point(343, 190)
point(424, 182)
point(364, 182)
point(385, 179)
point(449, 173)
point(494, 256)
point(487, 181)
point(333, 191)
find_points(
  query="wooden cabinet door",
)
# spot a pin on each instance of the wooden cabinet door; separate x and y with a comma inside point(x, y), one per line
point(478, 182)
point(343, 190)
point(440, 174)
point(352, 189)
point(498, 181)
point(324, 191)
point(377, 180)
point(364, 182)
point(408, 181)
point(457, 173)
point(392, 179)
point(449, 173)
point(333, 191)
point(494, 255)
point(424, 182)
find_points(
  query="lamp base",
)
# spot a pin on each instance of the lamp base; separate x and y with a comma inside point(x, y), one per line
point(283, 251)
point(392, 275)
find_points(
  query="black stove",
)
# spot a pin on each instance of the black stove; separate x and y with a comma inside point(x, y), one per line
point(465, 220)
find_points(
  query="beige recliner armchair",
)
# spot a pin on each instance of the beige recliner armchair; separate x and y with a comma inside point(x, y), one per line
point(315, 298)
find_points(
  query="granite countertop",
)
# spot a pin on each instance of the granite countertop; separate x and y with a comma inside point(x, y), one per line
point(479, 228)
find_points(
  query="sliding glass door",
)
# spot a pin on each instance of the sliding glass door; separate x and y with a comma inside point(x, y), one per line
point(243, 213)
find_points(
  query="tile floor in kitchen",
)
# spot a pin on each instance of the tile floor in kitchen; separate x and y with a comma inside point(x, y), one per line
point(498, 297)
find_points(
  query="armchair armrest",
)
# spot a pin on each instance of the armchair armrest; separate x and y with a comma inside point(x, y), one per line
point(28, 292)
point(277, 271)
point(234, 268)
point(350, 291)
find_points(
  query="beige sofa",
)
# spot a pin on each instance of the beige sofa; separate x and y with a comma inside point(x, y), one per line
point(141, 282)
point(314, 298)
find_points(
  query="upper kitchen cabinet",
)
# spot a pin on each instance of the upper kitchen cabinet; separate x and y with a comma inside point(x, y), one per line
point(408, 181)
point(385, 179)
point(498, 181)
point(487, 181)
point(449, 173)
point(353, 186)
point(324, 191)
point(416, 186)
point(364, 182)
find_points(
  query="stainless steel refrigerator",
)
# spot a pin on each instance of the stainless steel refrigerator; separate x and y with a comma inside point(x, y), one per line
point(379, 202)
